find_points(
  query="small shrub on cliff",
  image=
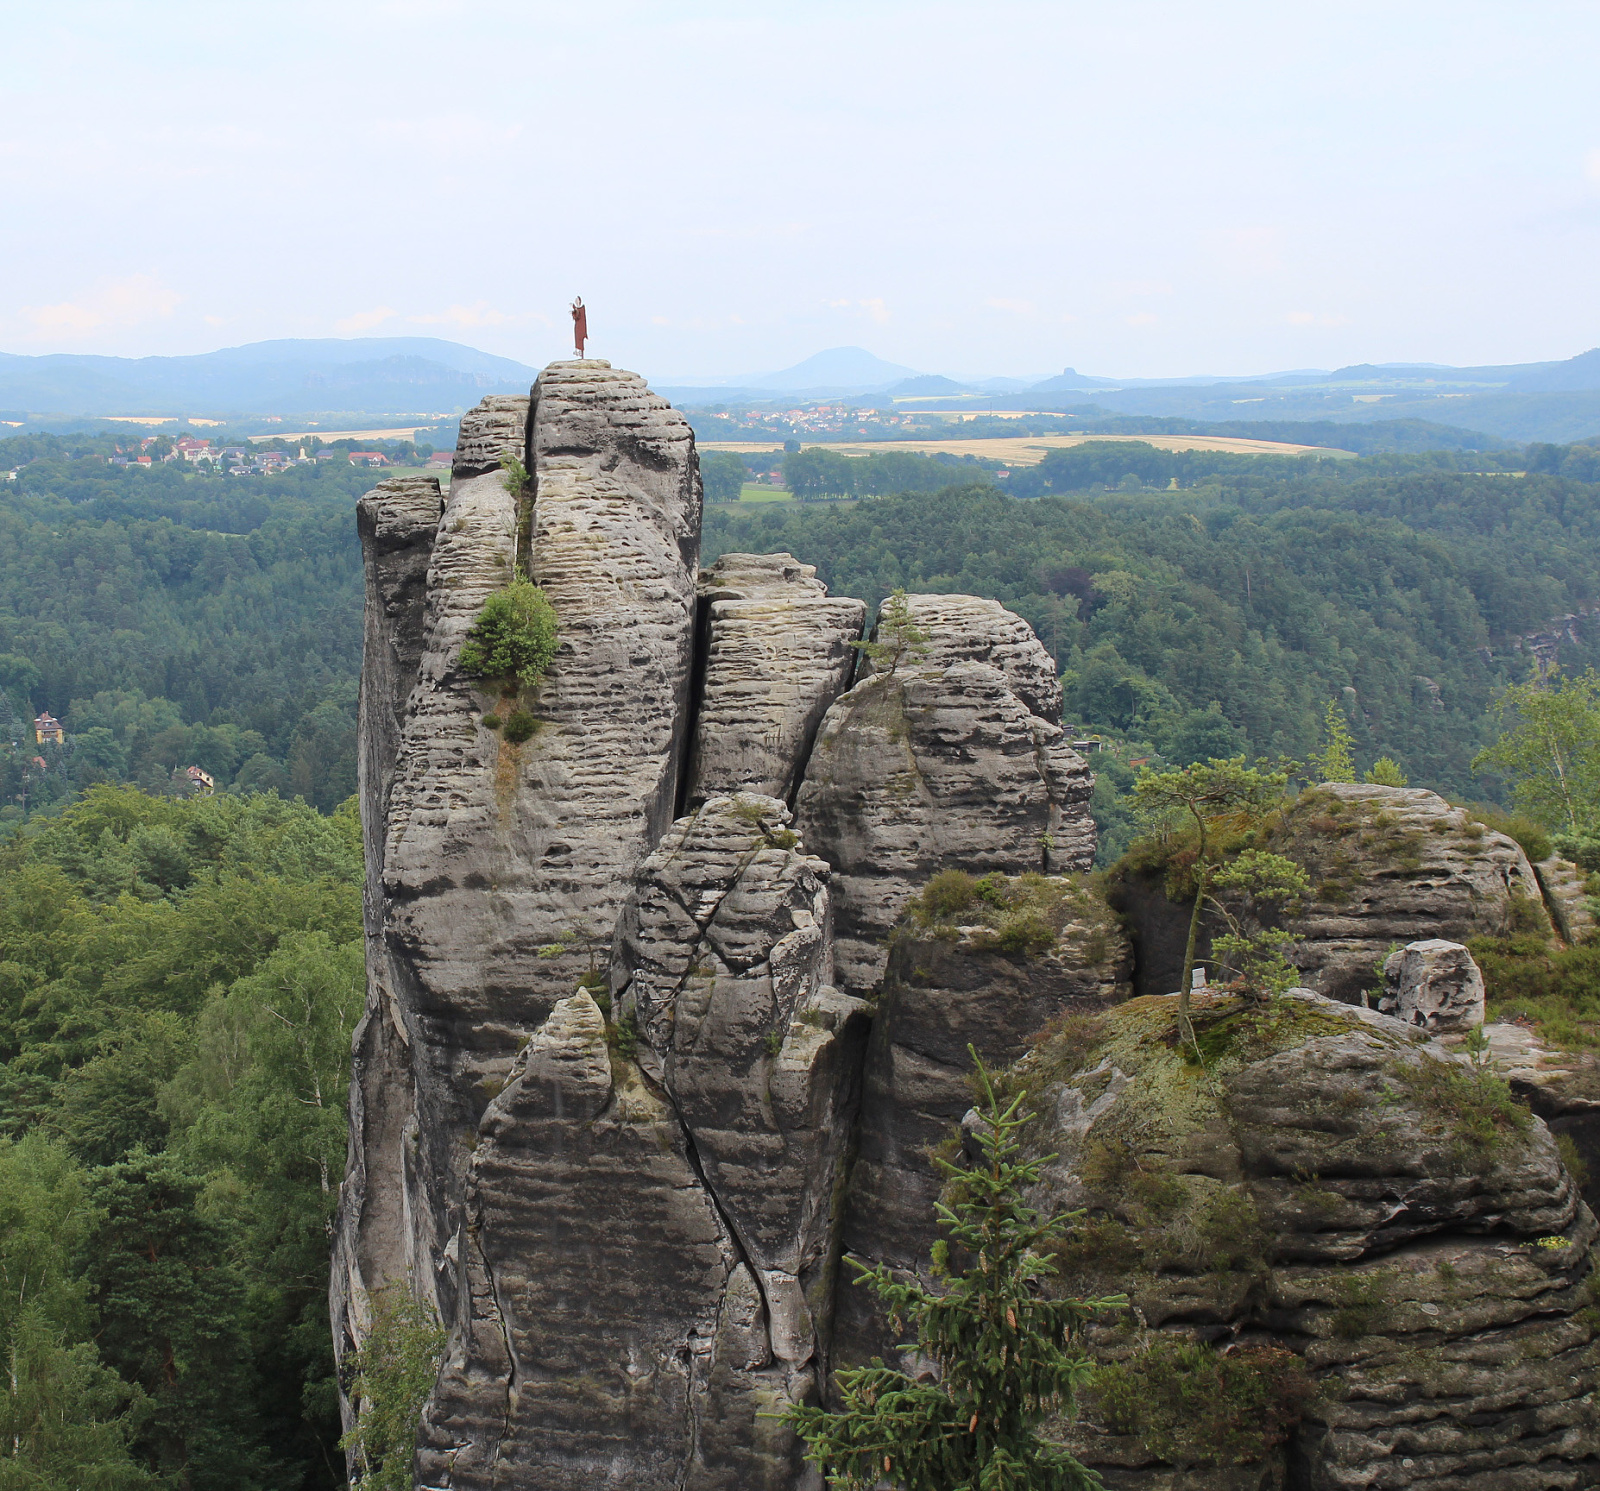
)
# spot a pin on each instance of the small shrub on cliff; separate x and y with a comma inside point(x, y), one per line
point(391, 1376)
point(520, 726)
point(1255, 886)
point(514, 636)
point(948, 895)
point(1214, 801)
point(1007, 1357)
point(1335, 762)
point(1533, 837)
point(1386, 772)
point(1475, 1108)
point(1021, 915)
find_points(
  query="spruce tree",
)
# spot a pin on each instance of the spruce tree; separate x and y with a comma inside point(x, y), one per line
point(1007, 1356)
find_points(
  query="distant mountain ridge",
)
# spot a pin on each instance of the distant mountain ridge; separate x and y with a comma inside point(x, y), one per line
point(392, 376)
point(291, 376)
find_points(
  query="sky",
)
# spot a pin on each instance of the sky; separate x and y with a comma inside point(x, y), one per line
point(1007, 188)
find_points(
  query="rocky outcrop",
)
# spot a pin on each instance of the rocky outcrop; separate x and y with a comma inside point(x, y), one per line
point(723, 965)
point(1387, 865)
point(604, 1306)
point(777, 652)
point(968, 629)
point(1395, 865)
point(397, 522)
point(990, 975)
point(1434, 985)
point(1567, 897)
point(616, 1112)
point(1335, 1186)
point(472, 838)
point(936, 766)
point(606, 1090)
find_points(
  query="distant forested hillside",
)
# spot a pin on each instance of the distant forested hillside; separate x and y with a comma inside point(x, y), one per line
point(172, 618)
point(1224, 617)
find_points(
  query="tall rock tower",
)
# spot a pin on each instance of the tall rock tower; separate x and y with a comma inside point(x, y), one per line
point(606, 1085)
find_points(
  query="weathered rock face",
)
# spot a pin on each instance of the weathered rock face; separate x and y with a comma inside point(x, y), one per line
point(967, 629)
point(1434, 985)
point(723, 962)
point(953, 983)
point(1331, 1184)
point(604, 1310)
point(1388, 866)
point(934, 767)
point(777, 653)
point(1395, 865)
point(605, 1092)
point(397, 523)
point(495, 849)
point(615, 1111)
point(1567, 897)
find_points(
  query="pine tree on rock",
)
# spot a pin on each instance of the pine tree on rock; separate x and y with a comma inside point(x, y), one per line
point(1007, 1357)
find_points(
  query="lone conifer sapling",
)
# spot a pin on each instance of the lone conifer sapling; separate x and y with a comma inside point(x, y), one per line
point(1006, 1355)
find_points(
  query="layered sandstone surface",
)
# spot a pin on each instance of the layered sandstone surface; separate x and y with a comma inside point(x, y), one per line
point(777, 652)
point(1337, 1187)
point(607, 1087)
point(940, 762)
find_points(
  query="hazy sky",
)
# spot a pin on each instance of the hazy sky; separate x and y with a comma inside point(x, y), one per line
point(979, 188)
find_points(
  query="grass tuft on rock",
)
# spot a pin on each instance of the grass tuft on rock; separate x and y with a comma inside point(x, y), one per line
point(1020, 915)
point(1194, 1406)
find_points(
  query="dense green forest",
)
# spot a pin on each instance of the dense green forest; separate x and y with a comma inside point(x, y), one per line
point(173, 618)
point(178, 985)
point(1196, 600)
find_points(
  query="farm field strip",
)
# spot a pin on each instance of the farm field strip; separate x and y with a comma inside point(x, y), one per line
point(1029, 450)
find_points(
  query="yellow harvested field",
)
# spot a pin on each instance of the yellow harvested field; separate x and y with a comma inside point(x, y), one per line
point(1029, 450)
point(405, 432)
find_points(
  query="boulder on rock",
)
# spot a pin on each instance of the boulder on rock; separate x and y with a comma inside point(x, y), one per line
point(1387, 866)
point(1433, 984)
point(1394, 865)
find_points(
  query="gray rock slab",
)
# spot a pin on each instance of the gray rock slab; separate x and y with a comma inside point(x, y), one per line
point(777, 653)
point(971, 629)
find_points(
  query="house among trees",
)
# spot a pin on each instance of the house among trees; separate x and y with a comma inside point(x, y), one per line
point(47, 730)
point(368, 458)
point(201, 783)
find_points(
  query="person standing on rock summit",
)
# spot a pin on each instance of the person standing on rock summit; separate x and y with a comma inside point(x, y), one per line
point(580, 324)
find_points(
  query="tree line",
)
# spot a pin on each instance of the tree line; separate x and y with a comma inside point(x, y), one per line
point(178, 986)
